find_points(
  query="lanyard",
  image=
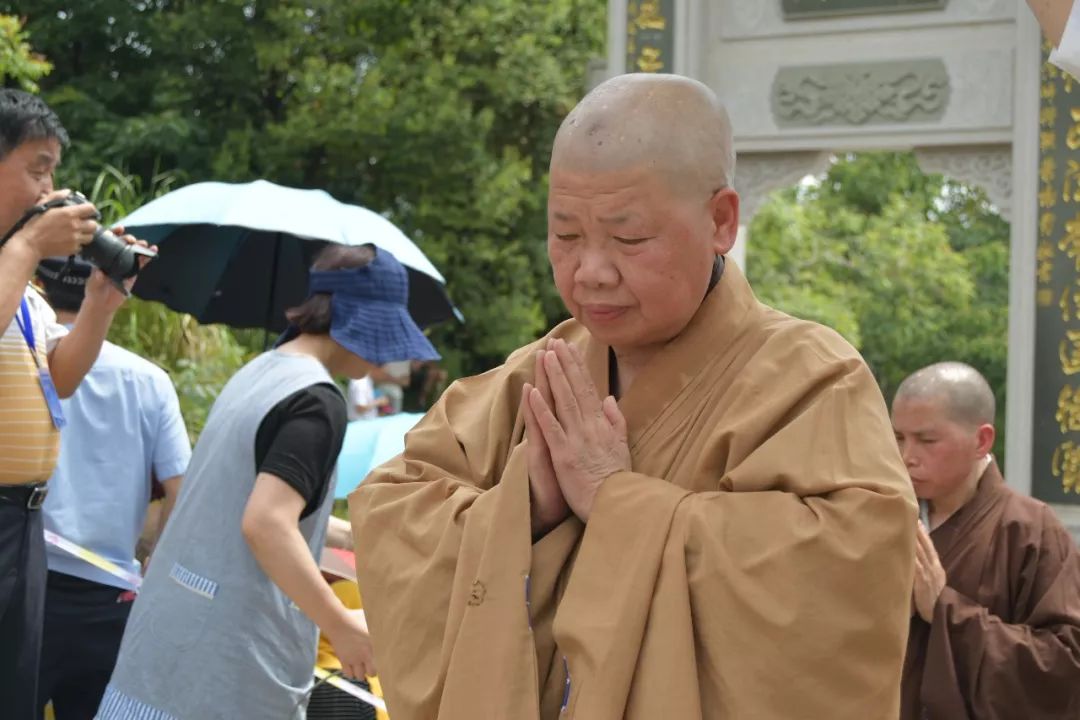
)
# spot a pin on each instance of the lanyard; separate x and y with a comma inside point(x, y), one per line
point(27, 328)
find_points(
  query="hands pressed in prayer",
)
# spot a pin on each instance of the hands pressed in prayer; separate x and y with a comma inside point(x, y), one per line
point(929, 575)
point(584, 434)
point(549, 507)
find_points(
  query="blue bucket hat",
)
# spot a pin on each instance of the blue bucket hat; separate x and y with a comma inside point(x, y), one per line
point(369, 311)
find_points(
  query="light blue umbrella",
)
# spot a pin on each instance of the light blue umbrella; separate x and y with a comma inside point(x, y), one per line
point(368, 444)
point(239, 254)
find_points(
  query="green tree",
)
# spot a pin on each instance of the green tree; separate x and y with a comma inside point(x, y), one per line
point(437, 113)
point(18, 63)
point(911, 268)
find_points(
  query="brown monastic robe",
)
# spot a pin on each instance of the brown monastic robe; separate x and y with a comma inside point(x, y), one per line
point(756, 564)
point(1005, 640)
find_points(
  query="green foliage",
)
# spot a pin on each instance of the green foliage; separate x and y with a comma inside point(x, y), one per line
point(18, 63)
point(438, 113)
point(911, 268)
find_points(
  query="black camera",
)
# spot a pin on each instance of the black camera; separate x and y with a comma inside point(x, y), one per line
point(114, 257)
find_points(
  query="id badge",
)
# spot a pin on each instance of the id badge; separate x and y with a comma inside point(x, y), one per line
point(52, 398)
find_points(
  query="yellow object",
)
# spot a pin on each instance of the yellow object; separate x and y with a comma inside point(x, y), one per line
point(348, 592)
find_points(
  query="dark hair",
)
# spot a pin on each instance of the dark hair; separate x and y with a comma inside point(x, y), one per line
point(313, 315)
point(26, 117)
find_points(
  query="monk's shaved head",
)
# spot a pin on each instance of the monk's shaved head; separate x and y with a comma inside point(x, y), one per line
point(666, 123)
point(961, 390)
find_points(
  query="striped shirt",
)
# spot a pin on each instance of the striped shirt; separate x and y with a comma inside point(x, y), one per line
point(29, 443)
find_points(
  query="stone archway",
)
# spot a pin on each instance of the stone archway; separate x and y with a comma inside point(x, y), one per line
point(957, 81)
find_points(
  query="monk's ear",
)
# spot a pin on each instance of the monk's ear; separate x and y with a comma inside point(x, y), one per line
point(724, 209)
point(984, 437)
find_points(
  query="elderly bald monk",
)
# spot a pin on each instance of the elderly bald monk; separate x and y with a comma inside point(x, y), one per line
point(679, 503)
point(996, 630)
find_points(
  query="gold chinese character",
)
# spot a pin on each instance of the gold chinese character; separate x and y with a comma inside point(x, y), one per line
point(1070, 191)
point(1047, 116)
point(1068, 409)
point(1044, 256)
point(1067, 82)
point(1066, 465)
point(1068, 303)
point(649, 16)
point(1049, 91)
point(1047, 170)
point(1046, 140)
point(1047, 197)
point(1070, 241)
point(1069, 352)
point(1046, 224)
point(1044, 297)
point(650, 61)
point(1072, 138)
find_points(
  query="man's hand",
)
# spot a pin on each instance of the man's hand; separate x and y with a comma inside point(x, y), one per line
point(60, 231)
point(101, 295)
point(548, 506)
point(352, 644)
point(585, 436)
point(929, 575)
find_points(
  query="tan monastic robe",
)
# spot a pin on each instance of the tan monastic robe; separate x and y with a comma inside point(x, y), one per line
point(1005, 640)
point(756, 564)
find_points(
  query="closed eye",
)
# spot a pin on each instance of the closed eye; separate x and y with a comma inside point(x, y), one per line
point(568, 236)
point(632, 241)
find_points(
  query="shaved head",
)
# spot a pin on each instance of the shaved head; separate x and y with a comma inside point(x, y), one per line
point(960, 389)
point(664, 123)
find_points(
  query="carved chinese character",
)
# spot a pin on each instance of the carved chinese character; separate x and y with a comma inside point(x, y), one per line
point(1046, 224)
point(1044, 256)
point(1072, 138)
point(1046, 140)
point(1070, 191)
point(649, 60)
point(1047, 197)
point(1066, 465)
point(1048, 91)
point(1070, 241)
point(1069, 352)
point(1068, 409)
point(1047, 116)
point(1044, 298)
point(649, 16)
point(1069, 303)
point(1047, 170)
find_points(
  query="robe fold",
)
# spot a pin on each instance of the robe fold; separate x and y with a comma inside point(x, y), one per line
point(1004, 643)
point(755, 564)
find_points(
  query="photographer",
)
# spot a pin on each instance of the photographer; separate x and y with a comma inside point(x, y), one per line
point(40, 361)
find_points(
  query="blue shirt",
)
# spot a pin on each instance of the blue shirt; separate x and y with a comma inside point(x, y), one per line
point(122, 423)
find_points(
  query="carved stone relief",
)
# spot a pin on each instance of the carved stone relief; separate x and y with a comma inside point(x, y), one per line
point(751, 18)
point(758, 174)
point(989, 167)
point(860, 93)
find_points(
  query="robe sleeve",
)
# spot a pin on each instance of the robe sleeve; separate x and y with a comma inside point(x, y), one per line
point(1030, 668)
point(415, 520)
point(792, 579)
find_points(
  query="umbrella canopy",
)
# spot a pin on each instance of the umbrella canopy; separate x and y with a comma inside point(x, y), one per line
point(239, 254)
point(368, 444)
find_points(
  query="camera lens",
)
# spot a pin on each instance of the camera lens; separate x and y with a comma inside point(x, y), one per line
point(111, 255)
